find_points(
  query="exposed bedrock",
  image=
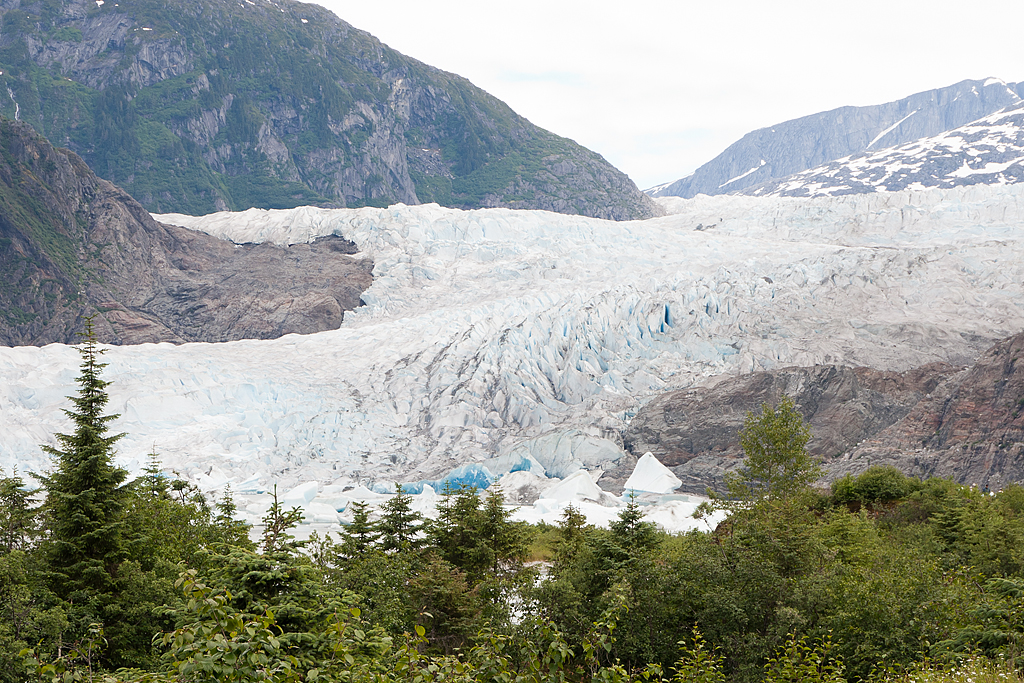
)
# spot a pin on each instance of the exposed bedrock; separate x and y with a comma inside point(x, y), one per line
point(73, 245)
point(935, 420)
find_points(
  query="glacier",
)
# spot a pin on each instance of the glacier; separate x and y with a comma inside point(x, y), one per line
point(525, 340)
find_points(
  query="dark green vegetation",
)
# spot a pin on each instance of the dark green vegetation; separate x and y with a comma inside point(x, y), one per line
point(194, 106)
point(882, 578)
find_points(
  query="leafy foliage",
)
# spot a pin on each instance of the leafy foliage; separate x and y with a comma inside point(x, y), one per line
point(775, 445)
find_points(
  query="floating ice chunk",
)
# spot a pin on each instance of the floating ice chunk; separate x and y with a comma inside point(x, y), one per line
point(425, 503)
point(365, 495)
point(651, 476)
point(522, 486)
point(300, 496)
point(676, 516)
point(320, 513)
point(579, 487)
point(551, 511)
point(213, 479)
point(250, 485)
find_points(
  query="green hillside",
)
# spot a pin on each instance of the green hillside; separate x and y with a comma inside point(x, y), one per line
point(217, 104)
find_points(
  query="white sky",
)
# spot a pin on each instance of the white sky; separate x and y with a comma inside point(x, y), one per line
point(658, 87)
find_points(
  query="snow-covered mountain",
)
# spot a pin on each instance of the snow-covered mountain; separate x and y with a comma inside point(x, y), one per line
point(792, 146)
point(988, 151)
point(526, 339)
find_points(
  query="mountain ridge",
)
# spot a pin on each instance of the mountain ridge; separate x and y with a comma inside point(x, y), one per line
point(194, 107)
point(789, 147)
point(988, 151)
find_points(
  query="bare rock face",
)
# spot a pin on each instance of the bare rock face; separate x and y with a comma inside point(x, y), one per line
point(73, 245)
point(966, 424)
point(695, 432)
point(970, 429)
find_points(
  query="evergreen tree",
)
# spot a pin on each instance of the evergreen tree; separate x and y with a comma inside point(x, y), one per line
point(457, 531)
point(17, 519)
point(276, 524)
point(399, 525)
point(359, 536)
point(84, 496)
point(505, 539)
point(631, 533)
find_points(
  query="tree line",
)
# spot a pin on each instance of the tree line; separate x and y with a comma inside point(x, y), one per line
point(878, 577)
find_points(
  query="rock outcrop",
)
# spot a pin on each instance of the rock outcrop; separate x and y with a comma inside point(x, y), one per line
point(937, 420)
point(695, 432)
point(73, 245)
point(208, 105)
point(970, 429)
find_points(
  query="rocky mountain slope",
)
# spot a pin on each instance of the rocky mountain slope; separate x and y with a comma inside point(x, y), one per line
point(989, 151)
point(971, 428)
point(695, 431)
point(935, 420)
point(202, 105)
point(73, 245)
point(810, 141)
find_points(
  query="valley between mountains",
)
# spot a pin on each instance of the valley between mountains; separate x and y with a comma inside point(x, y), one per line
point(320, 364)
point(496, 338)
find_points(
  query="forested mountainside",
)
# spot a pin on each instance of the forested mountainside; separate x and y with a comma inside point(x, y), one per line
point(193, 107)
point(73, 245)
point(792, 146)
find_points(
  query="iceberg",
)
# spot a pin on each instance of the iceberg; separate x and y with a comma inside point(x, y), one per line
point(650, 476)
point(300, 496)
point(578, 488)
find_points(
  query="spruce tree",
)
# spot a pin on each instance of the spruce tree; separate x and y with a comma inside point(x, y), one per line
point(631, 532)
point(17, 518)
point(505, 539)
point(399, 525)
point(276, 525)
point(84, 494)
point(360, 536)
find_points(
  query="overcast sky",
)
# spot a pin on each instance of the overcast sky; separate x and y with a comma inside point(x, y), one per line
point(658, 87)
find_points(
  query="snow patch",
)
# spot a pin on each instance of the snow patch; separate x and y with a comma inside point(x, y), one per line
point(890, 129)
point(742, 175)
